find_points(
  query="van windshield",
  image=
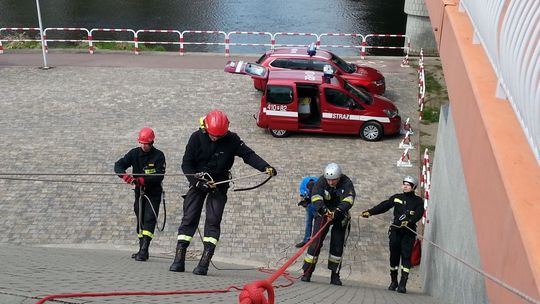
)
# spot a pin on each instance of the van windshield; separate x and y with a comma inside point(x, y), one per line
point(362, 95)
point(349, 68)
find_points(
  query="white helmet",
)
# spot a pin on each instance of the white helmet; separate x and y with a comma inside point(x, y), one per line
point(332, 171)
point(411, 180)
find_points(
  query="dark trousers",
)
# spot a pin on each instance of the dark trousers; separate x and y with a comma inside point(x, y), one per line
point(401, 244)
point(193, 205)
point(337, 240)
point(147, 217)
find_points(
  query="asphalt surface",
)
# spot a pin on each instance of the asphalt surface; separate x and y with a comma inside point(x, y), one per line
point(84, 113)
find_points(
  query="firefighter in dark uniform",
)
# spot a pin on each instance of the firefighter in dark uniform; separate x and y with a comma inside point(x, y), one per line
point(408, 209)
point(333, 196)
point(146, 160)
point(209, 156)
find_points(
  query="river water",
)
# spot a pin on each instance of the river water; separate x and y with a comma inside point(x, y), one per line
point(315, 16)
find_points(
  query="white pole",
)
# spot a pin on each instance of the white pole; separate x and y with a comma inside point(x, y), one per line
point(45, 67)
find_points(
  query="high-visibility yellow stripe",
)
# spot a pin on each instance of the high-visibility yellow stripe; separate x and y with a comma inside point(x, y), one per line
point(147, 233)
point(316, 197)
point(397, 200)
point(150, 171)
point(348, 199)
point(405, 269)
point(327, 195)
point(140, 235)
point(183, 237)
point(310, 259)
point(334, 259)
point(394, 268)
point(210, 240)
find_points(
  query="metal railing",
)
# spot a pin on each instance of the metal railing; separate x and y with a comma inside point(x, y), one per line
point(509, 31)
point(358, 42)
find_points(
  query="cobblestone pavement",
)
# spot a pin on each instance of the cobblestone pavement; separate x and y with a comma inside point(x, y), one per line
point(30, 273)
point(83, 114)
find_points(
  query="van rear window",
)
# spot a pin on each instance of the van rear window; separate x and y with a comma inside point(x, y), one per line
point(279, 94)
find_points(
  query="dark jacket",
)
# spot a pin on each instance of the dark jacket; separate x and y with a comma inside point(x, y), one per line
point(217, 157)
point(408, 206)
point(342, 196)
point(152, 162)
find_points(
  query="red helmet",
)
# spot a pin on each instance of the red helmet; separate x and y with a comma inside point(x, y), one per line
point(217, 123)
point(146, 136)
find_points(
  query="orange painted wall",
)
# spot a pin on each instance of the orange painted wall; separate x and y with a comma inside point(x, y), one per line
point(502, 175)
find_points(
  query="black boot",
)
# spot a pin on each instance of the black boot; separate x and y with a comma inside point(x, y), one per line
point(403, 283)
point(143, 252)
point(334, 278)
point(202, 268)
point(393, 283)
point(179, 262)
point(308, 271)
point(140, 244)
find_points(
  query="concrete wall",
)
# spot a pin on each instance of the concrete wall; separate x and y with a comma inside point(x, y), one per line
point(450, 225)
point(419, 28)
point(499, 168)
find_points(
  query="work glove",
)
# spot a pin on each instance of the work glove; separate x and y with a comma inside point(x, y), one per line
point(139, 181)
point(128, 179)
point(304, 202)
point(365, 214)
point(330, 214)
point(270, 171)
point(205, 186)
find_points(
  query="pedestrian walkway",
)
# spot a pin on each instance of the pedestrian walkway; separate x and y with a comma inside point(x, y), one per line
point(30, 273)
point(85, 112)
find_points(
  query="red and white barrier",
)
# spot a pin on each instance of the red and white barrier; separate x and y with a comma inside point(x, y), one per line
point(16, 29)
point(406, 142)
point(406, 47)
point(191, 32)
point(91, 36)
point(406, 127)
point(46, 39)
point(228, 42)
point(276, 35)
point(425, 182)
point(405, 159)
point(182, 41)
point(321, 36)
point(146, 31)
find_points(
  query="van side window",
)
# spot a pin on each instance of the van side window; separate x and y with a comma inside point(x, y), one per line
point(337, 98)
point(279, 94)
point(280, 63)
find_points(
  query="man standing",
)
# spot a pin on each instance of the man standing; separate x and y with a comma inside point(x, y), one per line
point(333, 196)
point(150, 162)
point(207, 160)
point(408, 209)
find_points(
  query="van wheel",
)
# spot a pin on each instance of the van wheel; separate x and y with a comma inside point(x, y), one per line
point(279, 133)
point(371, 131)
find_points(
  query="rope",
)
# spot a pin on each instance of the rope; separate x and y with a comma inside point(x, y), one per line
point(472, 267)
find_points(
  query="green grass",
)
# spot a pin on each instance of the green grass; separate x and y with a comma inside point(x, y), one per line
point(432, 84)
point(430, 115)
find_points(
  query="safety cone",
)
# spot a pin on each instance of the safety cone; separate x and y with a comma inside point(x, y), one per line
point(405, 159)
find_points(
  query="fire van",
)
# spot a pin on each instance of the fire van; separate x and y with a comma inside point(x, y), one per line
point(318, 102)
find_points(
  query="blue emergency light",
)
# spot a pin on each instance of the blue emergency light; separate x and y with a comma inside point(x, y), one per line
point(312, 49)
point(328, 73)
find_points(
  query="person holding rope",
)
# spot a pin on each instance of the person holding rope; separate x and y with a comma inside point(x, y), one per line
point(333, 196)
point(208, 157)
point(408, 209)
point(145, 161)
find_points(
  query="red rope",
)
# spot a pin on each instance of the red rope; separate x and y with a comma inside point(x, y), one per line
point(252, 293)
